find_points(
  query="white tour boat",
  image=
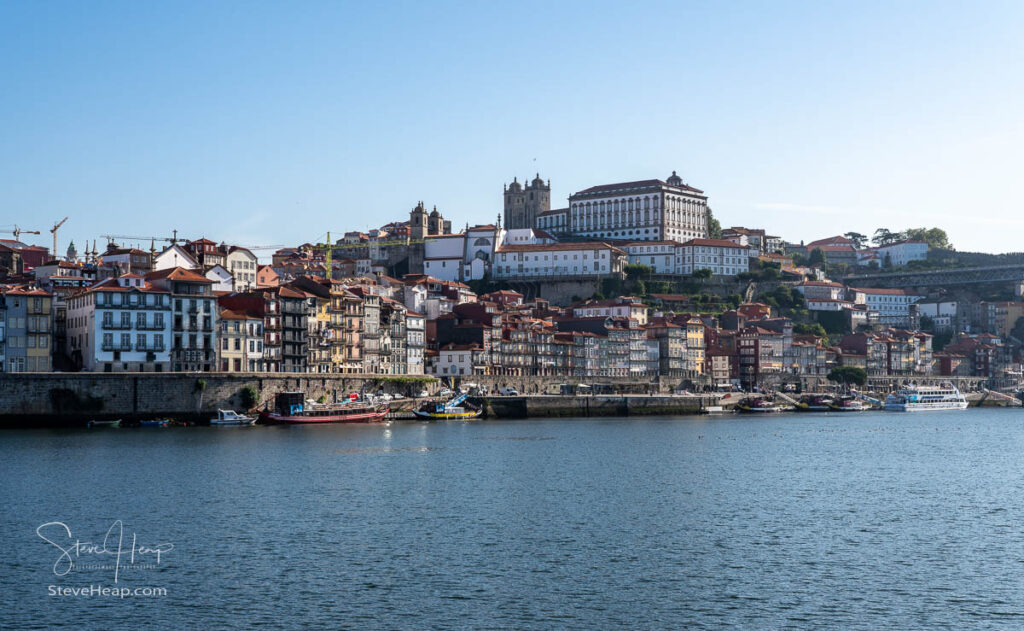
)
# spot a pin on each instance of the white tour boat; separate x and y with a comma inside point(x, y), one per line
point(924, 398)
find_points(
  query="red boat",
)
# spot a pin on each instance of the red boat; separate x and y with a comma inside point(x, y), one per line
point(291, 409)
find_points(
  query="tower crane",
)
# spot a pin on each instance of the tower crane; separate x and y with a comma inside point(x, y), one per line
point(17, 232)
point(54, 231)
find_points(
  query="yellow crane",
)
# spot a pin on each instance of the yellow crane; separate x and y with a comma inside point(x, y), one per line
point(329, 247)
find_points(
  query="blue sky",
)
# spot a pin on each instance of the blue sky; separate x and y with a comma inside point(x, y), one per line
point(272, 123)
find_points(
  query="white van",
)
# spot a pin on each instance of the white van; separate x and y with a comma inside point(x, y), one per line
point(508, 392)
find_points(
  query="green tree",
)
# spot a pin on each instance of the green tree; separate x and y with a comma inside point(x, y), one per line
point(934, 237)
point(714, 227)
point(641, 288)
point(848, 375)
point(637, 270)
point(798, 259)
point(859, 240)
point(1017, 331)
point(812, 328)
point(817, 257)
point(702, 274)
point(887, 261)
point(884, 236)
point(734, 300)
point(250, 396)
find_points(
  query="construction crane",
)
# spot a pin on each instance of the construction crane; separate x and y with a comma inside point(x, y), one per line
point(327, 257)
point(17, 232)
point(129, 237)
point(53, 230)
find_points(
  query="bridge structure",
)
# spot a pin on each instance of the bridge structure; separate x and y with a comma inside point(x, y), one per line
point(1013, 274)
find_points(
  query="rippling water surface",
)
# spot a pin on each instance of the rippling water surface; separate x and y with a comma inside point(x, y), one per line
point(803, 521)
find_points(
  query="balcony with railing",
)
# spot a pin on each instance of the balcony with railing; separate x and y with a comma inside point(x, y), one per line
point(149, 326)
point(110, 325)
point(115, 346)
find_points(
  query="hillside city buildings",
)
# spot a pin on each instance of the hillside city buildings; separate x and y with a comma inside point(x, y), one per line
point(399, 300)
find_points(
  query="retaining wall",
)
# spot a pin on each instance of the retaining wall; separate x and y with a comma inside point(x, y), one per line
point(61, 398)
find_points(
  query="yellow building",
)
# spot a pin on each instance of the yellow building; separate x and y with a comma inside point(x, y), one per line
point(695, 346)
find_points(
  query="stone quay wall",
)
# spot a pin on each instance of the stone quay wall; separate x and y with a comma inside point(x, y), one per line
point(60, 398)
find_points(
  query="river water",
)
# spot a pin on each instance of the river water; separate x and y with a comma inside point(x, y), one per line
point(869, 520)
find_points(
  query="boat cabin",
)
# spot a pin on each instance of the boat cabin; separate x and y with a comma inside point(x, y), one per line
point(290, 403)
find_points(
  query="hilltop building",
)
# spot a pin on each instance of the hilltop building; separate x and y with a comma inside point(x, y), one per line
point(524, 204)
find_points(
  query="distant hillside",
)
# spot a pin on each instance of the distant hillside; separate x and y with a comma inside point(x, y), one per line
point(974, 259)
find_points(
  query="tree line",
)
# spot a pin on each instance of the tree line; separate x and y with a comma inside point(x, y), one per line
point(934, 237)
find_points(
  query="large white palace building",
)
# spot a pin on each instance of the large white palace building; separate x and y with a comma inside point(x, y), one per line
point(648, 210)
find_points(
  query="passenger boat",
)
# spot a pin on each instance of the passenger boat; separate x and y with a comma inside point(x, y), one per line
point(230, 417)
point(926, 398)
point(849, 403)
point(754, 405)
point(290, 408)
point(453, 410)
point(814, 403)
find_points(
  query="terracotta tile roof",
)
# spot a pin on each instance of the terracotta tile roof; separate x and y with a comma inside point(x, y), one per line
point(718, 243)
point(559, 247)
point(178, 274)
point(288, 292)
point(885, 292)
point(632, 186)
point(26, 291)
point(558, 211)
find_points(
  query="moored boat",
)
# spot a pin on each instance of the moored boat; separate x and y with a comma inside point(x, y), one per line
point(814, 403)
point(230, 417)
point(103, 424)
point(159, 422)
point(753, 405)
point(453, 410)
point(849, 403)
point(291, 409)
point(926, 398)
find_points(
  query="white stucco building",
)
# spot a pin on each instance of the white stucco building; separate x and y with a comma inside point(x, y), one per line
point(243, 265)
point(120, 324)
point(646, 210)
point(902, 253)
point(174, 256)
point(558, 260)
point(723, 258)
point(658, 255)
point(892, 305)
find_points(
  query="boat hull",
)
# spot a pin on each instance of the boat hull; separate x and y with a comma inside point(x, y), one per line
point(912, 407)
point(373, 417)
point(437, 416)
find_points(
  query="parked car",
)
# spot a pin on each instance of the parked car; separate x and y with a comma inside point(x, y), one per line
point(445, 392)
point(508, 392)
point(396, 396)
point(422, 394)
